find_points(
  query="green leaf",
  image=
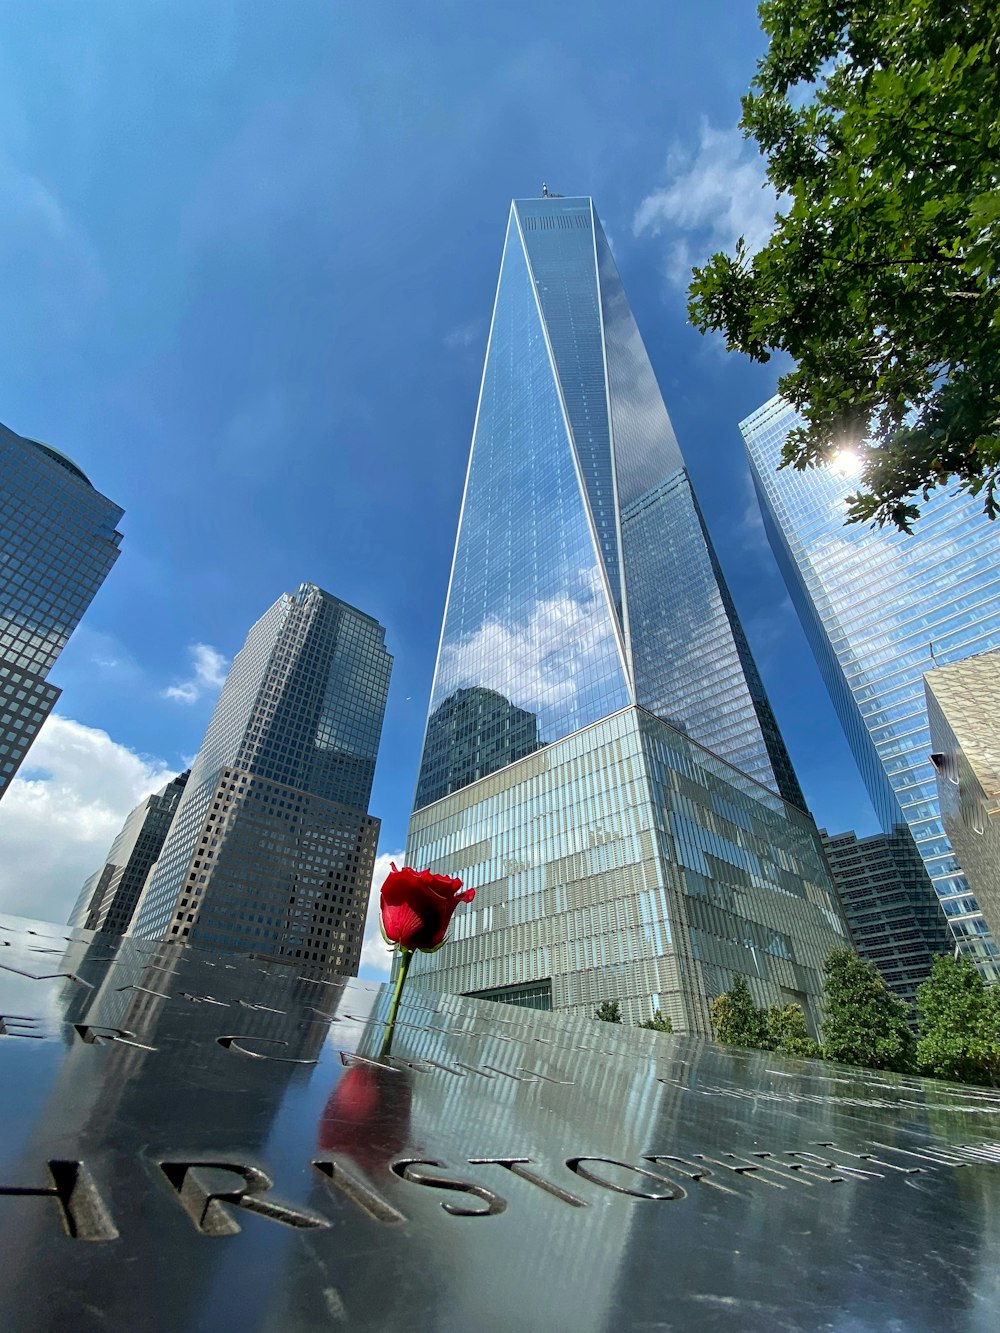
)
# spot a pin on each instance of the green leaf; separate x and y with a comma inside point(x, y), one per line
point(882, 125)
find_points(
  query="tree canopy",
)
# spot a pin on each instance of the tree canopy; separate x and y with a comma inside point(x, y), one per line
point(864, 1023)
point(609, 1011)
point(786, 1032)
point(880, 123)
point(736, 1019)
point(958, 1019)
point(658, 1023)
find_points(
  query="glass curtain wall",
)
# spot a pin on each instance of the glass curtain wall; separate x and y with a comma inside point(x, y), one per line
point(880, 608)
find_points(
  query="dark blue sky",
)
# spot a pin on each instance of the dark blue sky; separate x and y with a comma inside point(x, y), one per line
point(248, 254)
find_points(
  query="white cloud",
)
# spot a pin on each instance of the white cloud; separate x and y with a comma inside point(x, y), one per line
point(376, 956)
point(58, 821)
point(463, 337)
point(540, 662)
point(209, 674)
point(711, 198)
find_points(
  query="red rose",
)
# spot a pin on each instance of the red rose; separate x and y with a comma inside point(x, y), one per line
point(417, 907)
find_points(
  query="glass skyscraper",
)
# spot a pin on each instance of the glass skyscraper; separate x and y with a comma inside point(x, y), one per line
point(58, 540)
point(881, 607)
point(601, 761)
point(891, 910)
point(272, 848)
point(584, 579)
point(109, 896)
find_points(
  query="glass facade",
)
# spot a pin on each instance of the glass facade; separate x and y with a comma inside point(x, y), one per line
point(272, 849)
point(893, 915)
point(880, 608)
point(601, 762)
point(108, 898)
point(626, 863)
point(584, 579)
point(58, 540)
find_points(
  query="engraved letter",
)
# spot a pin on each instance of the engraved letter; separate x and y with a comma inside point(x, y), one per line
point(665, 1188)
point(337, 1173)
point(84, 1213)
point(235, 1043)
point(409, 1169)
point(203, 1189)
point(515, 1165)
point(93, 1036)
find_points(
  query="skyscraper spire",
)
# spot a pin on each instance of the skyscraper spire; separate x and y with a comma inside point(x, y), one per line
point(600, 761)
point(584, 578)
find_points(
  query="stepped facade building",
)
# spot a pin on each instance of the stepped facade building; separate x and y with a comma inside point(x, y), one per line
point(109, 896)
point(272, 848)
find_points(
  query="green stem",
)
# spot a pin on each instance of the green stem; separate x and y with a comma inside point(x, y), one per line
point(405, 958)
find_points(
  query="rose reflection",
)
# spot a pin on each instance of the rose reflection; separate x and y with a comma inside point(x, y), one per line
point(367, 1115)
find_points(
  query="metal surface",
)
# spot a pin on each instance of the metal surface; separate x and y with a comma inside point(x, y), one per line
point(196, 1142)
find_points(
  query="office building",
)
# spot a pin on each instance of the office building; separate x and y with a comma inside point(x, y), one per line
point(272, 847)
point(601, 761)
point(890, 905)
point(58, 540)
point(963, 704)
point(109, 896)
point(880, 607)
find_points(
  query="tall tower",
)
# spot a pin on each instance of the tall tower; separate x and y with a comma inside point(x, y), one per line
point(58, 540)
point(879, 609)
point(893, 915)
point(597, 729)
point(272, 847)
point(109, 896)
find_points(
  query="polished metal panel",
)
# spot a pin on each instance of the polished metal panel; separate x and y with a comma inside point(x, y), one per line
point(963, 707)
point(194, 1140)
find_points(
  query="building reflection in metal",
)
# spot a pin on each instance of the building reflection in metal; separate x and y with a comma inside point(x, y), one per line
point(200, 1123)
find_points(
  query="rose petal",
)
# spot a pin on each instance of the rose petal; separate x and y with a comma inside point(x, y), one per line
point(417, 906)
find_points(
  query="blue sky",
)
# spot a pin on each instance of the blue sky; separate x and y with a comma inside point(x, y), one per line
point(248, 253)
